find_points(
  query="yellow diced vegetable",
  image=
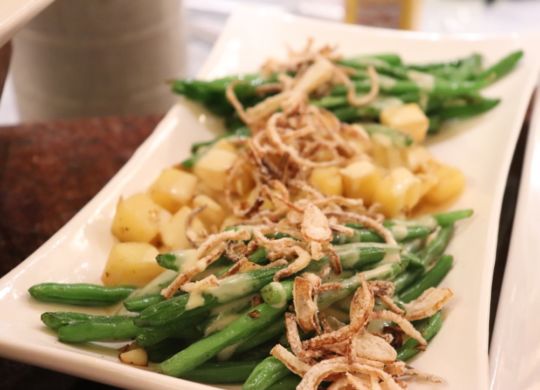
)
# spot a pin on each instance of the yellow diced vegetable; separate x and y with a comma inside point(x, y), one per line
point(173, 188)
point(418, 158)
point(450, 183)
point(360, 180)
point(212, 214)
point(138, 219)
point(398, 192)
point(327, 180)
point(136, 357)
point(131, 263)
point(385, 154)
point(173, 232)
point(225, 144)
point(212, 167)
point(407, 118)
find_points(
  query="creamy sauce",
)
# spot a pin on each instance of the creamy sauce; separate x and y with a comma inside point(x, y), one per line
point(156, 284)
point(382, 139)
point(378, 273)
point(195, 300)
point(233, 306)
point(348, 253)
point(232, 287)
point(220, 322)
point(427, 221)
point(425, 82)
point(226, 353)
point(391, 257)
point(386, 82)
point(186, 259)
point(399, 231)
point(384, 103)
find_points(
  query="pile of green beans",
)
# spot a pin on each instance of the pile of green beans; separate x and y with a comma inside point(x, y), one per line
point(198, 344)
point(452, 92)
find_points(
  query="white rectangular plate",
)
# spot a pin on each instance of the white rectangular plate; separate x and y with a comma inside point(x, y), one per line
point(515, 347)
point(482, 148)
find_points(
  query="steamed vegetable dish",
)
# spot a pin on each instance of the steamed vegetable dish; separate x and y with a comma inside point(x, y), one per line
point(291, 251)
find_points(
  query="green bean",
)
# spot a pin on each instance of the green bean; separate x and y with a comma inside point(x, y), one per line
point(400, 231)
point(399, 139)
point(502, 67)
point(358, 255)
point(265, 374)
point(138, 304)
point(113, 330)
point(164, 349)
point(412, 246)
point(435, 248)
point(222, 372)
point(228, 290)
point(276, 293)
point(430, 279)
point(79, 294)
point(288, 383)
point(55, 320)
point(435, 123)
point(428, 67)
point(462, 69)
point(271, 332)
point(407, 278)
point(386, 271)
point(354, 114)
point(449, 218)
point(183, 329)
point(382, 67)
point(203, 350)
point(258, 256)
point(467, 110)
point(428, 328)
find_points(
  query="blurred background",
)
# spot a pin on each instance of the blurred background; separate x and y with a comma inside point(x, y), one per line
point(83, 58)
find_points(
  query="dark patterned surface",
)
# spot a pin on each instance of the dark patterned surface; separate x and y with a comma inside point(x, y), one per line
point(49, 171)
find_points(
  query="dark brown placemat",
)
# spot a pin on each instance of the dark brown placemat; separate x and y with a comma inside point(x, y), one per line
point(48, 171)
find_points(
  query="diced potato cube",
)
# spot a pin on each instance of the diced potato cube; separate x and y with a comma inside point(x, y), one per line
point(213, 214)
point(173, 232)
point(138, 219)
point(225, 144)
point(173, 188)
point(385, 153)
point(131, 263)
point(212, 167)
point(450, 183)
point(360, 145)
point(398, 192)
point(360, 180)
point(428, 181)
point(418, 158)
point(408, 118)
point(327, 180)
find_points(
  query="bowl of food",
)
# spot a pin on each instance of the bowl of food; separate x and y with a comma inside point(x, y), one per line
point(325, 216)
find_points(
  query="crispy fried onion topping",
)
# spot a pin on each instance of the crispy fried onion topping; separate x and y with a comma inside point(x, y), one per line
point(305, 291)
point(430, 302)
point(357, 355)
